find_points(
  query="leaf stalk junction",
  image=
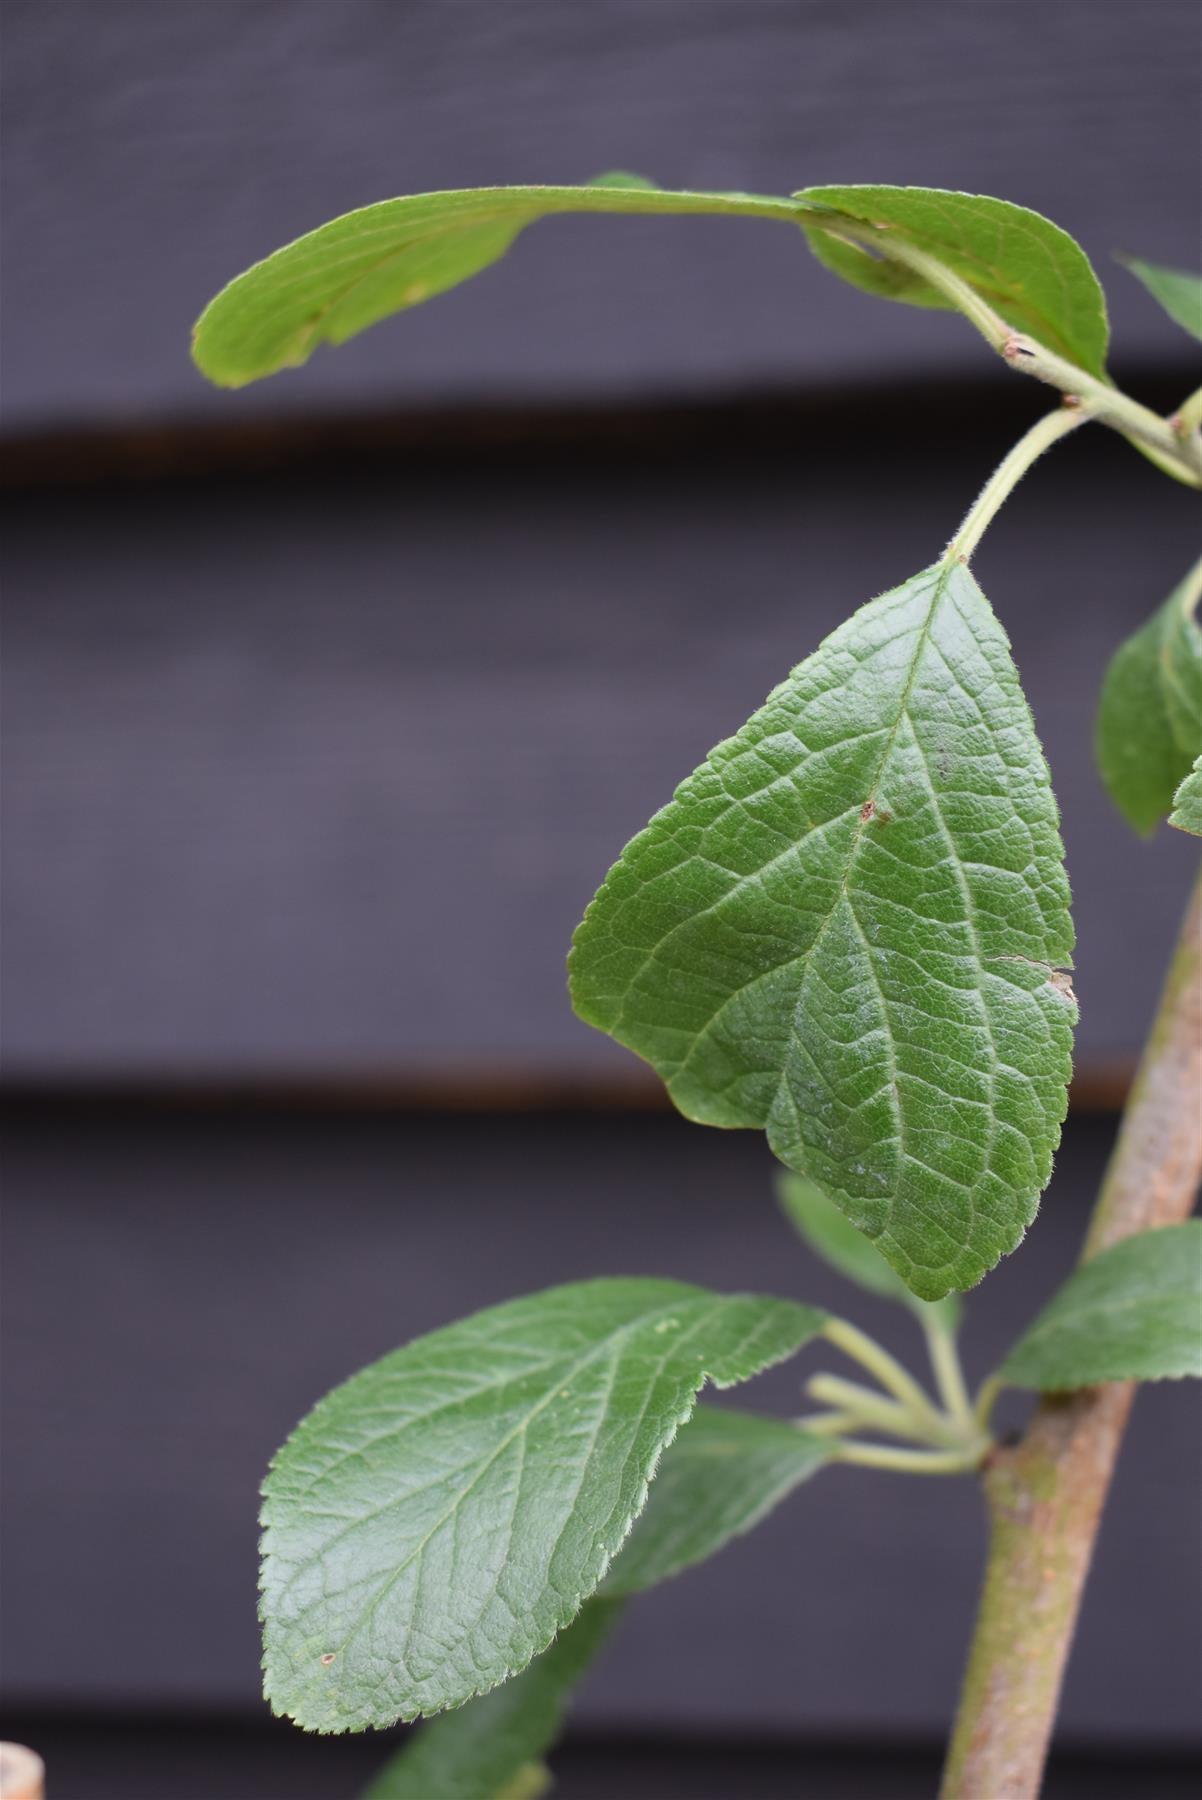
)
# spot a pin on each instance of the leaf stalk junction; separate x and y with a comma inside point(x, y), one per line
point(945, 1438)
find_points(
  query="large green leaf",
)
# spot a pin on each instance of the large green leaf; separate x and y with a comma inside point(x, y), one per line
point(725, 1472)
point(336, 281)
point(831, 1234)
point(1149, 725)
point(1030, 271)
point(1187, 802)
point(1179, 292)
point(437, 1519)
point(493, 1747)
point(1134, 1312)
point(847, 928)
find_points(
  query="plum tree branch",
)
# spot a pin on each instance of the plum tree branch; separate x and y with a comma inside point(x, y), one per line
point(1045, 1496)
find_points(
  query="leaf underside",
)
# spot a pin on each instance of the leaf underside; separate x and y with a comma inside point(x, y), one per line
point(1149, 725)
point(436, 1520)
point(847, 929)
point(1178, 291)
point(348, 274)
point(1187, 802)
point(1034, 274)
point(1132, 1313)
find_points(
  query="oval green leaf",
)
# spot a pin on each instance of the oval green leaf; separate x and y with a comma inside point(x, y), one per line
point(1030, 271)
point(437, 1519)
point(847, 929)
point(1149, 724)
point(1187, 802)
point(1132, 1313)
point(1178, 291)
point(336, 281)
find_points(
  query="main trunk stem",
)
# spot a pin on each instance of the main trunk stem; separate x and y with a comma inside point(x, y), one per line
point(1045, 1495)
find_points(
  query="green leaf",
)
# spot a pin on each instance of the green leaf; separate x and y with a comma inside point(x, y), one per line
point(482, 1751)
point(1149, 724)
point(725, 1472)
point(1187, 802)
point(437, 1519)
point(1133, 1312)
point(845, 928)
point(1179, 292)
point(1033, 274)
point(336, 281)
point(833, 1237)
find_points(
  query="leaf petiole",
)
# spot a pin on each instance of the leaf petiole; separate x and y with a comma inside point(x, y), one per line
point(888, 1371)
point(870, 1411)
point(949, 1376)
point(1005, 478)
point(915, 1462)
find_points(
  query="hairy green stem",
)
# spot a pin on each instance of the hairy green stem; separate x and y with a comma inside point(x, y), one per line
point(870, 1411)
point(888, 1371)
point(949, 1376)
point(1178, 453)
point(1045, 1495)
point(1005, 478)
point(914, 1462)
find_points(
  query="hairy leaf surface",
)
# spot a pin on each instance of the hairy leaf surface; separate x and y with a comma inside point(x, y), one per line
point(484, 1750)
point(847, 928)
point(437, 1519)
point(1030, 271)
point(1134, 1312)
point(1178, 291)
point(833, 1237)
point(1149, 726)
point(358, 269)
point(725, 1472)
point(1187, 802)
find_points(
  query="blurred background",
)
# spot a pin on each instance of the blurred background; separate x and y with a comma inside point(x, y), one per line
point(327, 705)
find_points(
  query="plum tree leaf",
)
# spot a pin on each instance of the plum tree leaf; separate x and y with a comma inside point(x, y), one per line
point(334, 282)
point(847, 929)
point(1187, 802)
point(490, 1747)
point(1030, 271)
point(833, 1237)
point(725, 1472)
point(1178, 291)
point(438, 1518)
point(1133, 1312)
point(1149, 724)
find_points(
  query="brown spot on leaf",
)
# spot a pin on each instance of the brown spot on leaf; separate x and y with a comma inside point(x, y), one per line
point(867, 811)
point(328, 1657)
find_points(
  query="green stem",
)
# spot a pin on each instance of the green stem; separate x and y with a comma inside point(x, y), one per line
point(915, 1462)
point(826, 1424)
point(870, 1411)
point(1178, 455)
point(949, 1376)
point(1045, 1495)
point(888, 1371)
point(1005, 478)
